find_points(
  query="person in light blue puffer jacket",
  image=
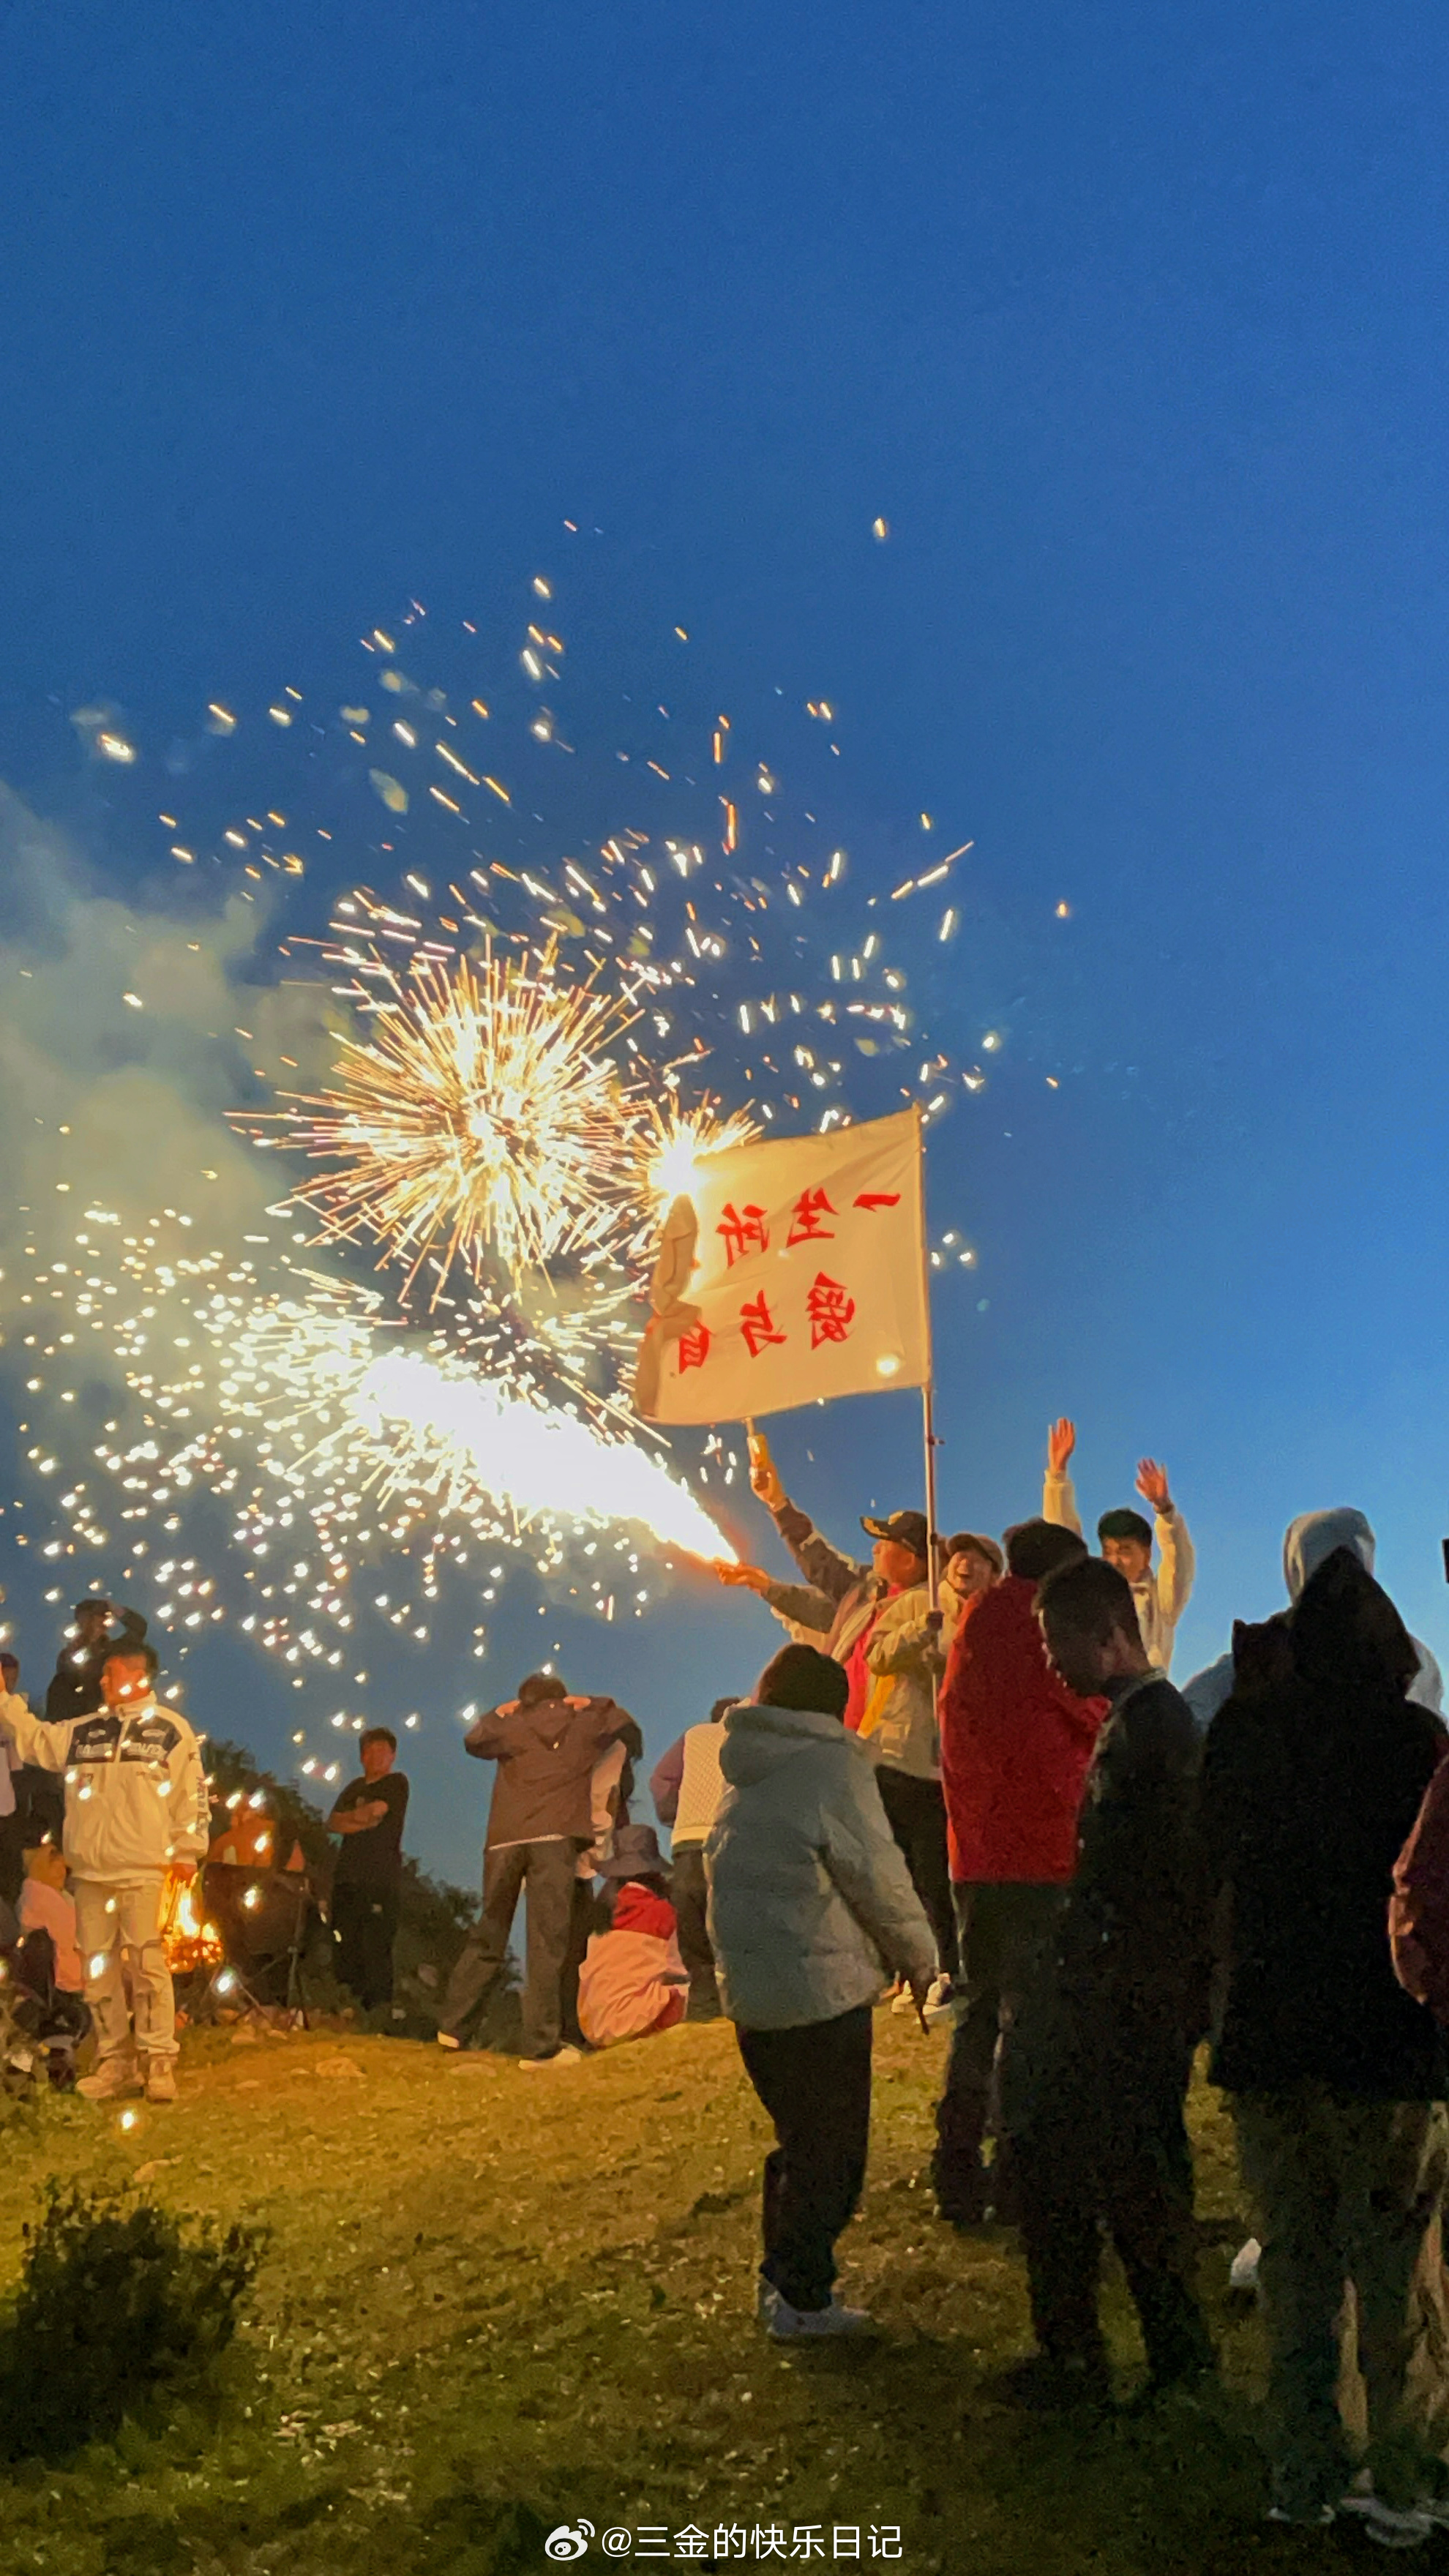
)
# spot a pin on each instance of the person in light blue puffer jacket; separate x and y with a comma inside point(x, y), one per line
point(811, 1909)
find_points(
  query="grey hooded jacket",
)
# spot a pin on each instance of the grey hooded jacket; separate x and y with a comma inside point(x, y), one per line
point(1307, 1543)
point(810, 1903)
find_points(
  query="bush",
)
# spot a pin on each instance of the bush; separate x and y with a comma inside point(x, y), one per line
point(119, 2303)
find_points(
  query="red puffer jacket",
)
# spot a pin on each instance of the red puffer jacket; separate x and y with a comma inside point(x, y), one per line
point(1015, 1745)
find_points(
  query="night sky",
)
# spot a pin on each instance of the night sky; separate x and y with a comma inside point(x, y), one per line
point(1130, 325)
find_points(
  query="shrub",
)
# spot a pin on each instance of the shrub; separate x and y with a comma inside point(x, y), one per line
point(120, 2302)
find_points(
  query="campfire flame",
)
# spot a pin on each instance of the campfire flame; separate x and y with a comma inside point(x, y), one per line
point(189, 1940)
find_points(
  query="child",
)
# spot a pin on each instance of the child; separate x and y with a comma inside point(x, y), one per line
point(633, 1981)
point(45, 1906)
point(811, 1909)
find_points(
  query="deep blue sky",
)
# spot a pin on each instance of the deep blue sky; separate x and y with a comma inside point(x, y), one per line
point(1131, 322)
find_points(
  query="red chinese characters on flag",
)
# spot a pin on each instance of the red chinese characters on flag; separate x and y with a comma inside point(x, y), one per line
point(830, 1309)
point(743, 1230)
point(805, 1225)
point(749, 1319)
point(758, 1326)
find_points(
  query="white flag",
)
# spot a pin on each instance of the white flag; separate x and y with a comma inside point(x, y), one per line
point(796, 1269)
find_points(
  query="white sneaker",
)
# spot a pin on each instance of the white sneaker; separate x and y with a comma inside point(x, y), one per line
point(940, 2002)
point(903, 2001)
point(1315, 2519)
point(113, 2077)
point(446, 2040)
point(160, 2080)
point(1385, 2523)
point(802, 2325)
point(564, 2056)
point(1243, 2276)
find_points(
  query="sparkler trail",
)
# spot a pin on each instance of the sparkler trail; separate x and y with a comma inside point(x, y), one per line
point(486, 1082)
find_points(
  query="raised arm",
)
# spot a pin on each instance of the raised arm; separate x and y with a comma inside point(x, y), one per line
point(822, 1565)
point(1176, 1562)
point(1059, 1495)
point(45, 1742)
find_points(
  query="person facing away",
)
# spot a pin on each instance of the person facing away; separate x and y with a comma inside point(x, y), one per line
point(1263, 1649)
point(633, 1982)
point(1099, 2134)
point(811, 1908)
point(686, 1786)
point(1311, 1788)
point(136, 1807)
point(853, 1608)
point(1015, 1745)
point(545, 1744)
point(367, 1880)
point(1125, 1537)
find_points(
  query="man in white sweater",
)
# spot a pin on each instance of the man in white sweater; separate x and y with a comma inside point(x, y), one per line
point(135, 1807)
point(686, 1785)
point(1161, 1593)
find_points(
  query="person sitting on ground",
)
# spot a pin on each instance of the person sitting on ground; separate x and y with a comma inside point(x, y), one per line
point(46, 1905)
point(367, 1881)
point(686, 1786)
point(1264, 1647)
point(135, 1808)
point(1336, 2075)
point(611, 1786)
point(1126, 1542)
point(546, 1745)
point(633, 1981)
point(847, 1605)
point(1015, 1745)
point(1098, 2135)
point(810, 1908)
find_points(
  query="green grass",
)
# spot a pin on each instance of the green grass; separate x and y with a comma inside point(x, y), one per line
point(493, 2302)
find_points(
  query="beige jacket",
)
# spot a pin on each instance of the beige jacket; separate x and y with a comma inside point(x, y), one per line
point(1164, 1593)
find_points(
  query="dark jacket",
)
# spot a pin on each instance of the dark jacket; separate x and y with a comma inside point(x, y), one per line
point(1310, 1790)
point(545, 1757)
point(75, 1687)
point(1015, 1745)
point(1419, 1908)
point(1132, 1937)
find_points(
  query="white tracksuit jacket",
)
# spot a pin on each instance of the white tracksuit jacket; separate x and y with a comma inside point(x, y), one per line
point(135, 1792)
point(1165, 1590)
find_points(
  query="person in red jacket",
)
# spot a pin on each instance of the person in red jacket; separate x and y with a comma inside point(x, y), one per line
point(1015, 1745)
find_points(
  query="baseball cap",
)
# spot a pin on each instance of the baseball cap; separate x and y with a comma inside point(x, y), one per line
point(908, 1529)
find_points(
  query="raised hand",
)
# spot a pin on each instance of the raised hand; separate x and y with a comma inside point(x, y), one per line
point(1061, 1441)
point(1152, 1485)
point(748, 1575)
point(764, 1475)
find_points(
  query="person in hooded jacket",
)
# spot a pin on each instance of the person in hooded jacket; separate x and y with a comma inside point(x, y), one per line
point(1015, 1745)
point(1307, 1542)
point(1310, 1788)
point(810, 1908)
point(546, 1745)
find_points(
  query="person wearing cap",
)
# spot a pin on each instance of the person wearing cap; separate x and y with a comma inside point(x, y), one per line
point(1125, 1537)
point(851, 1609)
point(633, 1982)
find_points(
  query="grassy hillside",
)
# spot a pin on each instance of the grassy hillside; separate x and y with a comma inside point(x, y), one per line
point(494, 2302)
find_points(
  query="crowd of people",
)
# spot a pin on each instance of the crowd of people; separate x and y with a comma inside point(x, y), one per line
point(967, 1790)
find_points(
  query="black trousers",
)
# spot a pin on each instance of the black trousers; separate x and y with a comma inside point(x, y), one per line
point(815, 2083)
point(585, 1918)
point(1105, 2142)
point(690, 1895)
point(364, 1927)
point(548, 1871)
point(916, 1813)
point(1006, 1935)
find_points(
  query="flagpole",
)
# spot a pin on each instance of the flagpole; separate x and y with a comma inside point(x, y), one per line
point(928, 1420)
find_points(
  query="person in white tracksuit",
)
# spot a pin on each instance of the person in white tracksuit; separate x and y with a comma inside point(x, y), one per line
point(135, 1807)
point(1161, 1593)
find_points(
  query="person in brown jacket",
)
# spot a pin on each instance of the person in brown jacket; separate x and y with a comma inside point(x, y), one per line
point(545, 1744)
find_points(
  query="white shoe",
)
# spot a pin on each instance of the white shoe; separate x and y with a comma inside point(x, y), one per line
point(1318, 2520)
point(446, 2040)
point(903, 2001)
point(1385, 2523)
point(160, 2080)
point(767, 2300)
point(940, 2002)
point(564, 2056)
point(113, 2077)
point(803, 2325)
point(1243, 2276)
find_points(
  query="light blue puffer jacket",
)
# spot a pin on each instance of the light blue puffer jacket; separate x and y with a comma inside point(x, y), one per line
point(810, 1903)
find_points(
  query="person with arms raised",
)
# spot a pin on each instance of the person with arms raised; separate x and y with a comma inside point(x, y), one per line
point(1159, 1595)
